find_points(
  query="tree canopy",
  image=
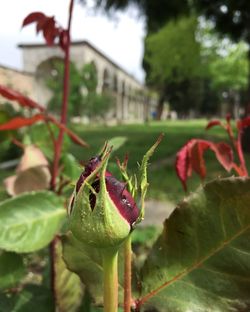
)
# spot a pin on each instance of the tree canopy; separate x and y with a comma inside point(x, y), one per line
point(231, 17)
point(157, 13)
point(176, 60)
point(55, 83)
point(173, 53)
point(83, 98)
point(230, 71)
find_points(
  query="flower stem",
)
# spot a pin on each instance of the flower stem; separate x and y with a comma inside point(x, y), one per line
point(64, 107)
point(127, 275)
point(110, 297)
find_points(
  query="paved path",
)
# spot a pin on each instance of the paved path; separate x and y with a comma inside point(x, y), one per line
point(156, 212)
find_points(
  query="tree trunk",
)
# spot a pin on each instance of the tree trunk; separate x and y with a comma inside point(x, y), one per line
point(160, 106)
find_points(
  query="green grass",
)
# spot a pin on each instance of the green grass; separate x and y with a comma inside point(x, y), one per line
point(164, 183)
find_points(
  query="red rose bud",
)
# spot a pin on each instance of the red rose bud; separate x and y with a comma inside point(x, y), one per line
point(102, 211)
point(122, 199)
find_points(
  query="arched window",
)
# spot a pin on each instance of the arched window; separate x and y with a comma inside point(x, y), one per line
point(106, 86)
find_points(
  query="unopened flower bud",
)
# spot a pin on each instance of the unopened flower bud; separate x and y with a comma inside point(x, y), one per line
point(102, 211)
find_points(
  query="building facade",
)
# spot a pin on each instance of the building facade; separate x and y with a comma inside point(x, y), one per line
point(130, 95)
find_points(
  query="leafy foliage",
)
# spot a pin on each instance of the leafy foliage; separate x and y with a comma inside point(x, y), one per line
point(175, 72)
point(163, 54)
point(29, 222)
point(68, 287)
point(31, 298)
point(201, 260)
point(230, 16)
point(202, 257)
point(54, 82)
point(156, 13)
point(190, 156)
point(11, 269)
point(49, 27)
point(83, 96)
point(20, 122)
point(86, 262)
point(230, 71)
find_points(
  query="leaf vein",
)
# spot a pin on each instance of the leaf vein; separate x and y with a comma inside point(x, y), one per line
point(225, 273)
point(191, 268)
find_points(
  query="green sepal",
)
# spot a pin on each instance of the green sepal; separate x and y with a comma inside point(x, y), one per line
point(143, 177)
point(103, 226)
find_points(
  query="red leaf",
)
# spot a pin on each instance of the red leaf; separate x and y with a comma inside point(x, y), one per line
point(63, 39)
point(181, 164)
point(27, 102)
point(74, 137)
point(44, 23)
point(50, 31)
point(224, 155)
point(19, 122)
point(21, 99)
point(197, 162)
point(40, 24)
point(213, 123)
point(245, 122)
point(33, 17)
point(228, 117)
point(191, 158)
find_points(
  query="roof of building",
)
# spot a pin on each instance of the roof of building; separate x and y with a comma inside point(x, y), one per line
point(16, 70)
point(79, 43)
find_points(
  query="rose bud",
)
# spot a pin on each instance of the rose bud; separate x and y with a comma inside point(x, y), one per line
point(102, 211)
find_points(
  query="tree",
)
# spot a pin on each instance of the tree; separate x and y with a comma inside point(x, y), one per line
point(230, 71)
point(94, 104)
point(156, 13)
point(173, 60)
point(226, 65)
point(232, 18)
point(55, 84)
point(83, 98)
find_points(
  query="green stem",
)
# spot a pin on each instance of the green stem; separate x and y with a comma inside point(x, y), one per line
point(127, 275)
point(110, 297)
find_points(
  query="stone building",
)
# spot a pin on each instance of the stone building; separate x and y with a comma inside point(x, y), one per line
point(130, 100)
point(18, 80)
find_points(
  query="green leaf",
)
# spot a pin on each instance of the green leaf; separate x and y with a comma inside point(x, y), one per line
point(41, 137)
point(201, 261)
point(87, 263)
point(144, 176)
point(30, 221)
point(68, 287)
point(11, 269)
point(117, 142)
point(32, 298)
point(71, 168)
point(7, 303)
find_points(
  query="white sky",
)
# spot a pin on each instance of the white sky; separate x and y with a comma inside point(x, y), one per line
point(121, 39)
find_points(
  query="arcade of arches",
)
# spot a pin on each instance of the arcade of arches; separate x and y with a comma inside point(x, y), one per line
point(131, 103)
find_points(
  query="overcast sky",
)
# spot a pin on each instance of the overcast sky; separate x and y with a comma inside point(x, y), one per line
point(121, 39)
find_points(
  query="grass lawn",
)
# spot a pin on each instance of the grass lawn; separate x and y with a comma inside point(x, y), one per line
point(164, 183)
